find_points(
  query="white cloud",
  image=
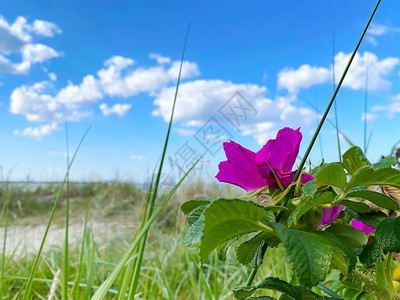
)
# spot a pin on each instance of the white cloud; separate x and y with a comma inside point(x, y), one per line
point(303, 77)
point(17, 37)
point(371, 40)
point(60, 153)
point(368, 116)
point(140, 80)
point(136, 157)
point(119, 62)
point(377, 70)
point(52, 76)
point(45, 28)
point(306, 76)
point(186, 132)
point(392, 108)
point(8, 41)
point(38, 131)
point(262, 131)
point(75, 96)
point(380, 29)
point(40, 103)
point(201, 99)
point(36, 105)
point(37, 53)
point(160, 59)
point(20, 28)
point(117, 109)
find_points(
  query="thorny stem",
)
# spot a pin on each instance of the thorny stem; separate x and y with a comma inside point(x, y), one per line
point(310, 146)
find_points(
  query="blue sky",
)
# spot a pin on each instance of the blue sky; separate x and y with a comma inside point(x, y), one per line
point(113, 65)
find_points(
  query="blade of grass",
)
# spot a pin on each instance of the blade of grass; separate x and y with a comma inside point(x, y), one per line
point(4, 214)
point(65, 259)
point(142, 246)
point(75, 287)
point(131, 269)
point(312, 142)
point(366, 105)
point(102, 290)
point(334, 88)
point(90, 263)
point(128, 276)
point(28, 283)
point(330, 122)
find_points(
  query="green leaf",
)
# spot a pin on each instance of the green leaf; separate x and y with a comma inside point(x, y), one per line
point(195, 232)
point(225, 248)
point(341, 246)
point(388, 234)
point(270, 283)
point(309, 188)
point(331, 174)
point(309, 254)
point(371, 176)
point(190, 205)
point(379, 199)
point(386, 162)
point(356, 238)
point(356, 206)
point(196, 213)
point(249, 252)
point(227, 218)
point(371, 219)
point(323, 198)
point(369, 253)
point(354, 160)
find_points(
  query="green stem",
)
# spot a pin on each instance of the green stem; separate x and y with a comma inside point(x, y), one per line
point(310, 146)
point(328, 291)
point(389, 276)
point(252, 275)
point(276, 177)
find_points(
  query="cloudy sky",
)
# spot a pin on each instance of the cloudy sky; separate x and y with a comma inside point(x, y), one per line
point(250, 69)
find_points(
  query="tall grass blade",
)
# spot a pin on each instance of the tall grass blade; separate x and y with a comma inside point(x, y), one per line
point(310, 146)
point(366, 106)
point(65, 260)
point(106, 285)
point(312, 142)
point(90, 263)
point(154, 193)
point(4, 214)
point(75, 288)
point(334, 88)
point(29, 281)
point(341, 133)
point(129, 272)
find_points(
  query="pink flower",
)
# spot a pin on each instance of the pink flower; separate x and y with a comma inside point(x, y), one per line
point(361, 226)
point(240, 168)
point(330, 214)
point(252, 171)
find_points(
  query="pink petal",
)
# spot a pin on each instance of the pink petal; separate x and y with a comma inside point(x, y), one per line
point(281, 153)
point(361, 226)
point(306, 178)
point(240, 168)
point(330, 214)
